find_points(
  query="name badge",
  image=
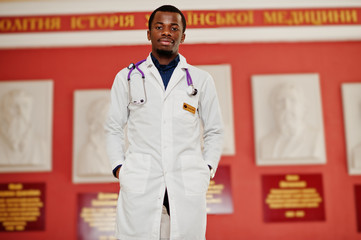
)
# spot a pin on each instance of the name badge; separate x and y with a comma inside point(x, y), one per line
point(189, 108)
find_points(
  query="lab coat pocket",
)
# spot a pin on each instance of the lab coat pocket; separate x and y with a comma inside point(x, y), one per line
point(185, 106)
point(134, 173)
point(195, 174)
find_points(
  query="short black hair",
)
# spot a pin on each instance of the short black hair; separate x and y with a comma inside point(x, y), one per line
point(167, 8)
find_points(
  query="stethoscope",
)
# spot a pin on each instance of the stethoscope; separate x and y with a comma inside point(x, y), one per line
point(191, 90)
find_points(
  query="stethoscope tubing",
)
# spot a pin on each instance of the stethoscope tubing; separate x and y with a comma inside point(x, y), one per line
point(133, 66)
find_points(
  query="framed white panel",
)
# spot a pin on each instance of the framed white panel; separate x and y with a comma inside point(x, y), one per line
point(90, 158)
point(26, 126)
point(223, 81)
point(351, 96)
point(288, 119)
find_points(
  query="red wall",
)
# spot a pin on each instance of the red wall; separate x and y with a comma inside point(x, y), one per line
point(87, 68)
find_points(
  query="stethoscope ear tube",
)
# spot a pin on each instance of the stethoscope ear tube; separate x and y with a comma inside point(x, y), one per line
point(132, 66)
point(192, 91)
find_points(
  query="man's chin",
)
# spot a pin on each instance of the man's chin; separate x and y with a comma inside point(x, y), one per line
point(164, 53)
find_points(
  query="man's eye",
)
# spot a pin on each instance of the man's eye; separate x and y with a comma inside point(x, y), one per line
point(158, 27)
point(174, 29)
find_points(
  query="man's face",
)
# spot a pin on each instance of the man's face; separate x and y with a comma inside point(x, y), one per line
point(289, 111)
point(166, 33)
point(16, 118)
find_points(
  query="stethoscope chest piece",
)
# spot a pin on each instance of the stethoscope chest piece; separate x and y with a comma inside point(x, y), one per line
point(191, 91)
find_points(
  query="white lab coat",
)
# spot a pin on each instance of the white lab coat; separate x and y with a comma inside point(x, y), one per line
point(164, 152)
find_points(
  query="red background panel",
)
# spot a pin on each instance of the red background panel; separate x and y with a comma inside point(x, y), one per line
point(95, 67)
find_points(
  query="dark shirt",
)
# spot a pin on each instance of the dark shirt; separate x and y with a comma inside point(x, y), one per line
point(165, 71)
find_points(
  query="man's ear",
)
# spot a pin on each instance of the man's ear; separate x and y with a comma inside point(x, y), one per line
point(148, 35)
point(183, 37)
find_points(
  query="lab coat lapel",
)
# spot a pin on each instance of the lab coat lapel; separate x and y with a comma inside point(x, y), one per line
point(154, 71)
point(178, 75)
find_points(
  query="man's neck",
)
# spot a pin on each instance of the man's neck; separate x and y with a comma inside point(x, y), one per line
point(164, 60)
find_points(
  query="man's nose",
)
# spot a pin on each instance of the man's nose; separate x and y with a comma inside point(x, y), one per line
point(166, 31)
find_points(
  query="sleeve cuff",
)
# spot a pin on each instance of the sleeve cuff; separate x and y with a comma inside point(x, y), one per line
point(116, 169)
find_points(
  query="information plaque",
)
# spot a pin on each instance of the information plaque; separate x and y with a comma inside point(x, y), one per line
point(358, 206)
point(219, 194)
point(293, 197)
point(96, 216)
point(22, 207)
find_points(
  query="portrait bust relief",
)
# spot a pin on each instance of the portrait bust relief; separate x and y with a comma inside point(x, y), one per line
point(90, 159)
point(288, 119)
point(24, 110)
point(351, 98)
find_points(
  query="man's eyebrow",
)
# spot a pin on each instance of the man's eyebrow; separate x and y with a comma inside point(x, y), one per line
point(163, 23)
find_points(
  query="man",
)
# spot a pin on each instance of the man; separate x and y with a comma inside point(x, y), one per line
point(164, 154)
point(293, 137)
point(19, 145)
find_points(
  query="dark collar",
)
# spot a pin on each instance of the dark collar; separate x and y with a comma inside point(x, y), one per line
point(172, 64)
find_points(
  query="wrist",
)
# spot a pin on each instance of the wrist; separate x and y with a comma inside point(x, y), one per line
point(212, 171)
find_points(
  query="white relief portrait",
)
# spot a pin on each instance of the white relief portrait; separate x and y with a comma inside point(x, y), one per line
point(90, 160)
point(25, 126)
point(351, 97)
point(288, 119)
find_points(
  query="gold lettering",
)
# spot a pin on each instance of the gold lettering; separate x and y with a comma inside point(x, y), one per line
point(198, 19)
point(297, 17)
point(73, 23)
point(289, 214)
point(281, 17)
point(230, 18)
point(210, 19)
point(129, 21)
point(103, 196)
point(79, 23)
point(91, 21)
point(29, 192)
point(16, 27)
point(300, 184)
point(292, 177)
point(333, 16)
point(220, 19)
point(348, 16)
point(103, 22)
point(5, 25)
point(15, 186)
point(300, 214)
point(244, 18)
point(113, 20)
point(270, 17)
point(33, 24)
point(354, 16)
point(316, 18)
point(147, 16)
point(104, 203)
point(7, 193)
